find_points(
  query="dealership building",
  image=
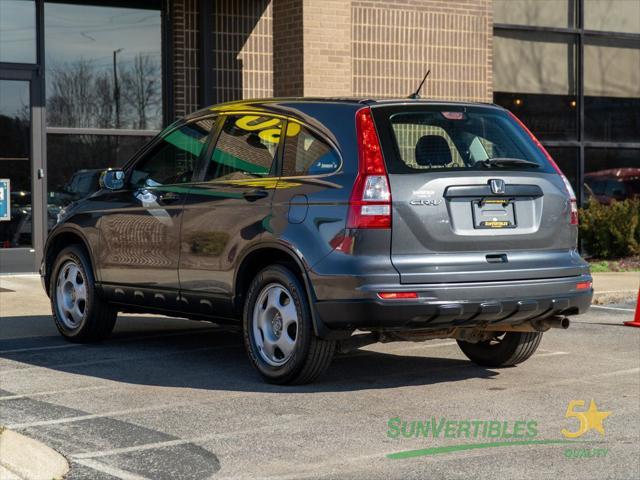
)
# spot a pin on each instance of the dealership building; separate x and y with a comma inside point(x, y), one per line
point(84, 84)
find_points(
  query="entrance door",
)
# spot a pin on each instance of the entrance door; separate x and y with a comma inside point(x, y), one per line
point(22, 208)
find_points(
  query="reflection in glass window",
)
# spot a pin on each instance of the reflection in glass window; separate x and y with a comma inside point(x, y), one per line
point(246, 148)
point(76, 162)
point(103, 66)
point(612, 90)
point(15, 162)
point(567, 159)
point(534, 63)
point(612, 174)
point(175, 158)
point(540, 13)
point(535, 74)
point(612, 15)
point(306, 154)
point(18, 31)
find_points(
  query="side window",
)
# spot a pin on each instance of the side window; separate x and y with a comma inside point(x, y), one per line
point(175, 157)
point(246, 148)
point(306, 154)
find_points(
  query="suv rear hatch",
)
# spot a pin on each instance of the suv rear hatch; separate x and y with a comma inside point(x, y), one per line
point(474, 197)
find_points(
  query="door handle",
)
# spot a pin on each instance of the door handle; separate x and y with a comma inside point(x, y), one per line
point(253, 195)
point(169, 197)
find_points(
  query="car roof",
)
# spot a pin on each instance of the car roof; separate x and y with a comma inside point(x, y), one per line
point(286, 104)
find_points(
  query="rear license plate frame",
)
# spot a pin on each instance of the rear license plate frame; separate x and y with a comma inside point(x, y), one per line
point(505, 207)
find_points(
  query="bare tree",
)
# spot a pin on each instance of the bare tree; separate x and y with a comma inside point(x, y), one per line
point(71, 94)
point(141, 88)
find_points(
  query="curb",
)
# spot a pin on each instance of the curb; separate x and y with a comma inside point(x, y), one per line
point(620, 296)
point(29, 459)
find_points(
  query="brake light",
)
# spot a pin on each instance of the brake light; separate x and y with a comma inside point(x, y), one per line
point(572, 196)
point(397, 295)
point(370, 202)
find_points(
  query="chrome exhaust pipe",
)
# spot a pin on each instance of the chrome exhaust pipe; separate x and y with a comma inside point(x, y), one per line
point(557, 321)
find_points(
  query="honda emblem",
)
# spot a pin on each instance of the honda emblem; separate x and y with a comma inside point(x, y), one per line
point(497, 185)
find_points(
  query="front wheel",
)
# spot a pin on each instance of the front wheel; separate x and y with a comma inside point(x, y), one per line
point(503, 350)
point(278, 330)
point(79, 313)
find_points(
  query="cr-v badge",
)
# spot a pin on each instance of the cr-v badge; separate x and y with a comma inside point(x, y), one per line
point(426, 202)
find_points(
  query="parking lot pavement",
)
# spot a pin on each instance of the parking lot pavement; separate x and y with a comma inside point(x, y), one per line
point(169, 398)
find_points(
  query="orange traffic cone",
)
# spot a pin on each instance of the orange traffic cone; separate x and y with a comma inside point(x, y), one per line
point(636, 319)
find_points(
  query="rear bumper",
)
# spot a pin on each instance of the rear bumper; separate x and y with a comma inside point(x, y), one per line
point(458, 305)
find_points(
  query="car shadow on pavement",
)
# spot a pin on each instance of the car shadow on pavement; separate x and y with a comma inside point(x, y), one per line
point(205, 356)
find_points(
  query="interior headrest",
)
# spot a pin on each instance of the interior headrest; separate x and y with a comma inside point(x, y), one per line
point(433, 150)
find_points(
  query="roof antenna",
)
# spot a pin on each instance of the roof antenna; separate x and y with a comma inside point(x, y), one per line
point(416, 94)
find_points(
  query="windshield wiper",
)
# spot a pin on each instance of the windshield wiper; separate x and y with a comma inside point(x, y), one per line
point(506, 162)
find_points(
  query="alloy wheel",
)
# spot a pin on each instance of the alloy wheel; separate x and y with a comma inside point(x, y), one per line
point(71, 295)
point(275, 324)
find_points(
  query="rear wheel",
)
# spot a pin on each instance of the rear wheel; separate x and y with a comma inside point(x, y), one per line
point(278, 330)
point(504, 349)
point(79, 313)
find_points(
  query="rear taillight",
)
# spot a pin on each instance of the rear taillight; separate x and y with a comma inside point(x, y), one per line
point(370, 202)
point(572, 196)
point(583, 285)
point(397, 295)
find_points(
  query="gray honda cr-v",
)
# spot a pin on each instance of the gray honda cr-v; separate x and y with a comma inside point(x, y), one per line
point(326, 224)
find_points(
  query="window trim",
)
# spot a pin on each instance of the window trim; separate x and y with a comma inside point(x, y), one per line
point(149, 147)
point(322, 138)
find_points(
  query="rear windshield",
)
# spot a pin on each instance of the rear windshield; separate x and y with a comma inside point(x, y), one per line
point(458, 138)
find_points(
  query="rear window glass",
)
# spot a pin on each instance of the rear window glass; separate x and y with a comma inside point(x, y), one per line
point(460, 139)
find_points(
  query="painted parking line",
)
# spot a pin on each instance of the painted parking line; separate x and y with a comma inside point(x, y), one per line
point(283, 425)
point(397, 349)
point(117, 341)
point(550, 354)
point(35, 349)
point(110, 470)
point(114, 413)
point(111, 360)
point(80, 418)
point(54, 392)
point(613, 308)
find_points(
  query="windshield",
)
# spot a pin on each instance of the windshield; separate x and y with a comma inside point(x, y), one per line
point(459, 138)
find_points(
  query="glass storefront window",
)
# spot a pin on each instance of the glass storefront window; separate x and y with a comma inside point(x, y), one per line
point(535, 74)
point(612, 90)
point(76, 162)
point(539, 13)
point(612, 15)
point(15, 162)
point(567, 159)
point(103, 66)
point(612, 174)
point(18, 31)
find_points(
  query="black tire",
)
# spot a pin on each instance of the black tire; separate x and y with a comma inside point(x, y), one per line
point(311, 355)
point(97, 317)
point(509, 349)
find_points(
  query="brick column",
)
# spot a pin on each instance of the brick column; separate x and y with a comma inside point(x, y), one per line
point(312, 48)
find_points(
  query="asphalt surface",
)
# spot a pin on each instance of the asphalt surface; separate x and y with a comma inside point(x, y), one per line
point(174, 399)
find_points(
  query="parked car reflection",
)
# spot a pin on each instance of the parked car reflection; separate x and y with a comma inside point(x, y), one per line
point(613, 184)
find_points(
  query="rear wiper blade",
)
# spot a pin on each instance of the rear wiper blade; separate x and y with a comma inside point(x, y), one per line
point(504, 162)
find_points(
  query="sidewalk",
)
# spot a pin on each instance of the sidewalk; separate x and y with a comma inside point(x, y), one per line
point(615, 287)
point(23, 458)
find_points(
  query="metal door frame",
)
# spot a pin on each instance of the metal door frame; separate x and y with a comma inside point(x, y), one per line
point(27, 260)
point(24, 260)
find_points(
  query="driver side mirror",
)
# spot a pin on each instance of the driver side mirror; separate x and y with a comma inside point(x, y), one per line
point(112, 179)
